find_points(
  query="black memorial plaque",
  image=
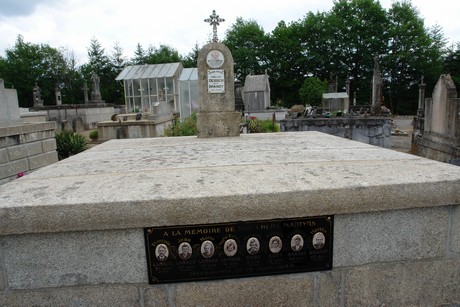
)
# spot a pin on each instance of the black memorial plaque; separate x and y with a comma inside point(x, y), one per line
point(238, 249)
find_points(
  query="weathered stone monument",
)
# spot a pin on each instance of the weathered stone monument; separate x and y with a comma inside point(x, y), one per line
point(96, 92)
point(376, 89)
point(217, 116)
point(58, 96)
point(37, 94)
point(437, 133)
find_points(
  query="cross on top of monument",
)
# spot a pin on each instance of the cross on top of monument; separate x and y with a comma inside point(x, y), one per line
point(214, 21)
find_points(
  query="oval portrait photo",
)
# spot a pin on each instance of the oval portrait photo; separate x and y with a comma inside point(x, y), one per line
point(297, 243)
point(161, 252)
point(185, 250)
point(275, 244)
point(230, 247)
point(319, 240)
point(253, 246)
point(207, 249)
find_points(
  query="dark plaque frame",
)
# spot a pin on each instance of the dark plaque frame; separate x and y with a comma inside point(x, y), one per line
point(207, 251)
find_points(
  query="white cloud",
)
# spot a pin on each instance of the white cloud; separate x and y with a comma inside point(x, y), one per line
point(180, 24)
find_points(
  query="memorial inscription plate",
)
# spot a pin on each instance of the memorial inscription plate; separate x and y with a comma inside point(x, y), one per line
point(238, 249)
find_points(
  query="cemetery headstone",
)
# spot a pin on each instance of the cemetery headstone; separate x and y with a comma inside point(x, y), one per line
point(38, 101)
point(437, 130)
point(217, 116)
point(9, 106)
point(57, 94)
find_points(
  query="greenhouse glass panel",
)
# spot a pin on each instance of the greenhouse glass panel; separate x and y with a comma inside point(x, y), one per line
point(161, 89)
point(170, 91)
point(194, 96)
point(153, 89)
point(136, 87)
point(144, 87)
point(184, 100)
point(137, 105)
point(129, 88)
point(145, 96)
point(130, 101)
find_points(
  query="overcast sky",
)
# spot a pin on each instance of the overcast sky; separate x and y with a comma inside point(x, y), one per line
point(180, 23)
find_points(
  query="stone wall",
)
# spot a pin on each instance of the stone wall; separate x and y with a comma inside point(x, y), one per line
point(405, 258)
point(25, 148)
point(374, 131)
point(396, 232)
point(77, 117)
point(130, 129)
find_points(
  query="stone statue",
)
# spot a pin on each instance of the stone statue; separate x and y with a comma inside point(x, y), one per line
point(96, 80)
point(95, 94)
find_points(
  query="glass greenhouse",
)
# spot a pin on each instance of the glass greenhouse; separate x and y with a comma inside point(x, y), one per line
point(160, 89)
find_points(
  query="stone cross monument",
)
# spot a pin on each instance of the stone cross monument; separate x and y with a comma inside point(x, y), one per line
point(96, 93)
point(376, 88)
point(217, 116)
point(214, 21)
point(85, 90)
point(421, 98)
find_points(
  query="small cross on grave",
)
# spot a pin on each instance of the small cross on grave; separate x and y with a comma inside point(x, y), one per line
point(85, 90)
point(214, 21)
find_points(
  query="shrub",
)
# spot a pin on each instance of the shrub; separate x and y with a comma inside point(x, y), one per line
point(269, 126)
point(262, 126)
point(312, 90)
point(69, 143)
point(94, 135)
point(185, 127)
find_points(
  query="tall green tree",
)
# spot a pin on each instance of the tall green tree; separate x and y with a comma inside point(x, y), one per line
point(286, 63)
point(412, 53)
point(358, 31)
point(191, 60)
point(140, 56)
point(71, 90)
point(99, 63)
point(117, 62)
point(117, 59)
point(247, 41)
point(316, 38)
point(452, 63)
point(162, 54)
point(27, 64)
point(312, 91)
